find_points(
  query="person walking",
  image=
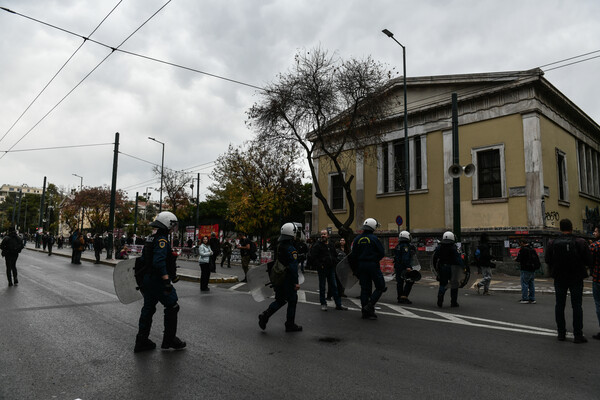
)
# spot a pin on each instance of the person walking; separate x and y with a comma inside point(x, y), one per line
point(11, 246)
point(529, 262)
point(567, 257)
point(323, 257)
point(364, 258)
point(448, 264)
point(78, 244)
point(484, 262)
point(51, 241)
point(244, 247)
point(206, 253)
point(215, 246)
point(226, 249)
point(98, 245)
point(403, 256)
point(595, 269)
point(287, 290)
point(156, 286)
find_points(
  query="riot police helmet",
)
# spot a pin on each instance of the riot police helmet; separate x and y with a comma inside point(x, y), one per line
point(404, 236)
point(288, 231)
point(165, 220)
point(448, 237)
point(370, 224)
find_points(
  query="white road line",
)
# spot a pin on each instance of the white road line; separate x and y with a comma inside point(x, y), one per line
point(93, 289)
point(237, 286)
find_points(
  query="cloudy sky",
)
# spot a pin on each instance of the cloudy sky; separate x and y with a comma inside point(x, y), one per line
point(249, 41)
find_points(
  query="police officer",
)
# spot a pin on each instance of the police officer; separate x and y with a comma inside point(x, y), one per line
point(364, 258)
point(156, 286)
point(403, 255)
point(449, 264)
point(287, 291)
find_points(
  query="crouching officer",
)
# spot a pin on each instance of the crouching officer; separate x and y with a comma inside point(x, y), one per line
point(156, 286)
point(364, 258)
point(287, 291)
point(449, 264)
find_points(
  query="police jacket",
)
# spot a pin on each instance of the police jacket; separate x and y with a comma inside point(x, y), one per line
point(287, 255)
point(367, 250)
point(323, 255)
point(403, 254)
point(447, 254)
point(161, 252)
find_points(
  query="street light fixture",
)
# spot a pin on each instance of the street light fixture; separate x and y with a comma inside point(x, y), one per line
point(162, 170)
point(406, 163)
point(80, 189)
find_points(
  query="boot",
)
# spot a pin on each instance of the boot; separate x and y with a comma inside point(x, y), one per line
point(143, 343)
point(170, 340)
point(453, 297)
point(264, 318)
point(440, 301)
point(292, 327)
point(368, 312)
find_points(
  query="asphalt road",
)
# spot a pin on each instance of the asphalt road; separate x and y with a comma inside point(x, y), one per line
point(64, 335)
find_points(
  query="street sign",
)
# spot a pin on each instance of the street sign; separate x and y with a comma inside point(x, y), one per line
point(399, 220)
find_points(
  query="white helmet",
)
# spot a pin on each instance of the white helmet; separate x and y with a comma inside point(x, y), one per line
point(404, 235)
point(165, 220)
point(371, 224)
point(288, 231)
point(448, 237)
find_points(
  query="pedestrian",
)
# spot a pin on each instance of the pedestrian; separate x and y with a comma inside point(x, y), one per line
point(215, 246)
point(51, 241)
point(244, 246)
point(60, 242)
point(226, 249)
point(302, 249)
point(595, 268)
point(156, 286)
point(403, 256)
point(44, 241)
point(483, 259)
point(287, 290)
point(364, 258)
point(11, 246)
point(98, 245)
point(78, 244)
point(529, 262)
point(323, 258)
point(448, 263)
point(205, 252)
point(567, 257)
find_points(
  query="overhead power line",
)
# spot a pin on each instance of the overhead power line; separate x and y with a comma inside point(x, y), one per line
point(86, 76)
point(56, 147)
point(57, 72)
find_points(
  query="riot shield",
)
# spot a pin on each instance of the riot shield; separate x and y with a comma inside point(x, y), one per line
point(124, 281)
point(345, 274)
point(259, 284)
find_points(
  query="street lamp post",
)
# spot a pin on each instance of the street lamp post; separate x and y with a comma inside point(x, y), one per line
point(162, 170)
point(80, 189)
point(406, 163)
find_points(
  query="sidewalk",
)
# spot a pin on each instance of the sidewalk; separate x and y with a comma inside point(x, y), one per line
point(188, 269)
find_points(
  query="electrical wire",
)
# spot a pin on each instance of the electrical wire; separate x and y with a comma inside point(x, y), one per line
point(57, 72)
point(136, 54)
point(86, 76)
point(57, 147)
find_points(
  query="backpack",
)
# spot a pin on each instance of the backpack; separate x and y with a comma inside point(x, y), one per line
point(565, 258)
point(253, 255)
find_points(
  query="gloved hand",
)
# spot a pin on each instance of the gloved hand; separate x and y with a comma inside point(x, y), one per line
point(167, 288)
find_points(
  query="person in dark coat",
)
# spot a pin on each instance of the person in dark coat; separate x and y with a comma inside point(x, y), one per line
point(11, 246)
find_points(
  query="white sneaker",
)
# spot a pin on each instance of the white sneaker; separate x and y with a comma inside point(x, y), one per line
point(323, 307)
point(524, 302)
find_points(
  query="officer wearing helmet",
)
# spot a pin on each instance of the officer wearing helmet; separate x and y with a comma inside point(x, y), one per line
point(403, 256)
point(448, 263)
point(364, 258)
point(287, 291)
point(156, 286)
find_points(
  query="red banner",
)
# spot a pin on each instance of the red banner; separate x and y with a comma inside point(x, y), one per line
point(206, 230)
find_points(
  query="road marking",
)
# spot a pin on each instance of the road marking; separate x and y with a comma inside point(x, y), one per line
point(93, 289)
point(237, 286)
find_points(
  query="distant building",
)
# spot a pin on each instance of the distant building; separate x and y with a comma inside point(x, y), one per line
point(6, 190)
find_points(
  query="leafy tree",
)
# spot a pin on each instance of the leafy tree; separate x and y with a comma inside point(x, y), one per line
point(95, 202)
point(258, 185)
point(174, 187)
point(324, 107)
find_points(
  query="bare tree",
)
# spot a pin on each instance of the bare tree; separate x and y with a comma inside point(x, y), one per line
point(174, 184)
point(325, 106)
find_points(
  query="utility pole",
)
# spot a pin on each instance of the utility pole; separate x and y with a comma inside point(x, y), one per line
point(113, 199)
point(455, 181)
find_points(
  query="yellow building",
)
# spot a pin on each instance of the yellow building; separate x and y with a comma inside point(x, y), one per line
point(535, 152)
